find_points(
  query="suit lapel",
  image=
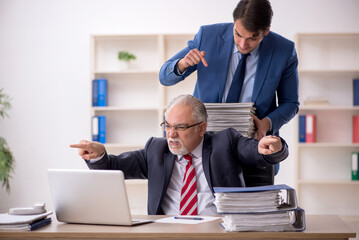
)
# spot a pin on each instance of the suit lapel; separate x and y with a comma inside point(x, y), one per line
point(265, 57)
point(206, 153)
point(169, 160)
point(225, 45)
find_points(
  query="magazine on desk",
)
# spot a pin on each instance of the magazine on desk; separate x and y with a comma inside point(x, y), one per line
point(264, 208)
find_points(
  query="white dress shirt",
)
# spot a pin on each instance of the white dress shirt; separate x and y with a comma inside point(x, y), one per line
point(249, 77)
point(171, 201)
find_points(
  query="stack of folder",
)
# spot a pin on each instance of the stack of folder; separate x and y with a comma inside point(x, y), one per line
point(234, 115)
point(265, 208)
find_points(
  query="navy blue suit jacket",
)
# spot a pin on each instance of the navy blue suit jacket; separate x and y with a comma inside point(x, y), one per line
point(276, 74)
point(223, 156)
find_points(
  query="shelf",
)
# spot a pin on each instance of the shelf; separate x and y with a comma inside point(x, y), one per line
point(123, 36)
point(119, 145)
point(327, 144)
point(328, 107)
point(326, 35)
point(329, 182)
point(136, 99)
point(328, 63)
point(329, 71)
point(128, 108)
point(130, 71)
point(118, 148)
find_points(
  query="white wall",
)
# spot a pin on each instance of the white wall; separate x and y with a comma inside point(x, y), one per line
point(44, 67)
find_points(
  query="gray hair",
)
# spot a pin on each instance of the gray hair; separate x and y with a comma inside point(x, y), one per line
point(199, 109)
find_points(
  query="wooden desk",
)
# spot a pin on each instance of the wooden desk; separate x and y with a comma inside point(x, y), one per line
point(318, 227)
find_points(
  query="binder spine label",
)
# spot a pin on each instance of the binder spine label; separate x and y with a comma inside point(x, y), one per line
point(311, 129)
point(354, 166)
point(95, 130)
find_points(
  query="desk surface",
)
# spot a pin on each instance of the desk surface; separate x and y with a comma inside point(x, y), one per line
point(318, 227)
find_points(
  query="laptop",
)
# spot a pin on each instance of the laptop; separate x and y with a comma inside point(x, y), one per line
point(91, 197)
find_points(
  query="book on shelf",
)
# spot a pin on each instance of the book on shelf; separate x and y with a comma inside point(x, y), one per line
point(356, 129)
point(234, 115)
point(264, 208)
point(307, 128)
point(94, 92)
point(356, 92)
point(310, 128)
point(354, 165)
point(316, 101)
point(99, 92)
point(24, 222)
point(302, 128)
point(99, 128)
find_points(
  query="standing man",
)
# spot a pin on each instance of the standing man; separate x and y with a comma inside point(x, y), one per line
point(242, 62)
point(183, 169)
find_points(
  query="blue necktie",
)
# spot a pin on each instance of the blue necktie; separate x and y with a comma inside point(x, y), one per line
point(237, 82)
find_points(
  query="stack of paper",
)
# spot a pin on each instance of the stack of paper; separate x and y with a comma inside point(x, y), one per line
point(23, 222)
point(234, 115)
point(243, 202)
point(265, 208)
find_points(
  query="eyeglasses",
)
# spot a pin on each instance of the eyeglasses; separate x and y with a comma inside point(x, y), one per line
point(179, 127)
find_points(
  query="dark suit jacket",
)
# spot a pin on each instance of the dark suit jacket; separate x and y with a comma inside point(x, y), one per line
point(276, 72)
point(223, 156)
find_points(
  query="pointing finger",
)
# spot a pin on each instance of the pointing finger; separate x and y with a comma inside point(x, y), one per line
point(204, 61)
point(77, 146)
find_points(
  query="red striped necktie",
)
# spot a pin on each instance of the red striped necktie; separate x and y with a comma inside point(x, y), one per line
point(188, 204)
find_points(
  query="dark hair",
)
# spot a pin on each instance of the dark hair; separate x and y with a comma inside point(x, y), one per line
point(255, 15)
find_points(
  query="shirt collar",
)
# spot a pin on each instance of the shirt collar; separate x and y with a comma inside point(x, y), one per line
point(196, 153)
point(253, 53)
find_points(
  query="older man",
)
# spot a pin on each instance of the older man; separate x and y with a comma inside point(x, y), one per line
point(183, 169)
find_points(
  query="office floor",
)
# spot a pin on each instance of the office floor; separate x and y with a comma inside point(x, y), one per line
point(352, 222)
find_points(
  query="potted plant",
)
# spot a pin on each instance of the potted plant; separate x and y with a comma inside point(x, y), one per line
point(6, 157)
point(125, 58)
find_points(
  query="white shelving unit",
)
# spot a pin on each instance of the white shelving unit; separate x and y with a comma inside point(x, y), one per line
point(328, 63)
point(136, 99)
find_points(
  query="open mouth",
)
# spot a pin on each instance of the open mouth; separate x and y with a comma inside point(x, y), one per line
point(174, 143)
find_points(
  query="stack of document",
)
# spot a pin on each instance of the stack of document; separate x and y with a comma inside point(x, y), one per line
point(23, 222)
point(234, 115)
point(243, 202)
point(265, 208)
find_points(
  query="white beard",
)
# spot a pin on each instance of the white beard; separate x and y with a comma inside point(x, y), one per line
point(181, 151)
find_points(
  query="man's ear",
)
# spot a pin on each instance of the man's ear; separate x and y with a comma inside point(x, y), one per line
point(202, 129)
point(267, 31)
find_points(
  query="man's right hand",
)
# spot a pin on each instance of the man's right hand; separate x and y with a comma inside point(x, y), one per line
point(89, 150)
point(192, 58)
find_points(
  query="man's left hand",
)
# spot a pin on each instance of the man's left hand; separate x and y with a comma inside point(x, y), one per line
point(262, 126)
point(269, 145)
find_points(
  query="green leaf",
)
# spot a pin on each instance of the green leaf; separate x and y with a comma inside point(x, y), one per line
point(126, 56)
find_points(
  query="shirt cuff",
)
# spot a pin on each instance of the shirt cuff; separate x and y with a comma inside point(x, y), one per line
point(97, 159)
point(176, 70)
point(270, 124)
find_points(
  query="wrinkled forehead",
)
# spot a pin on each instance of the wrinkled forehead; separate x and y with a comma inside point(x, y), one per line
point(179, 113)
